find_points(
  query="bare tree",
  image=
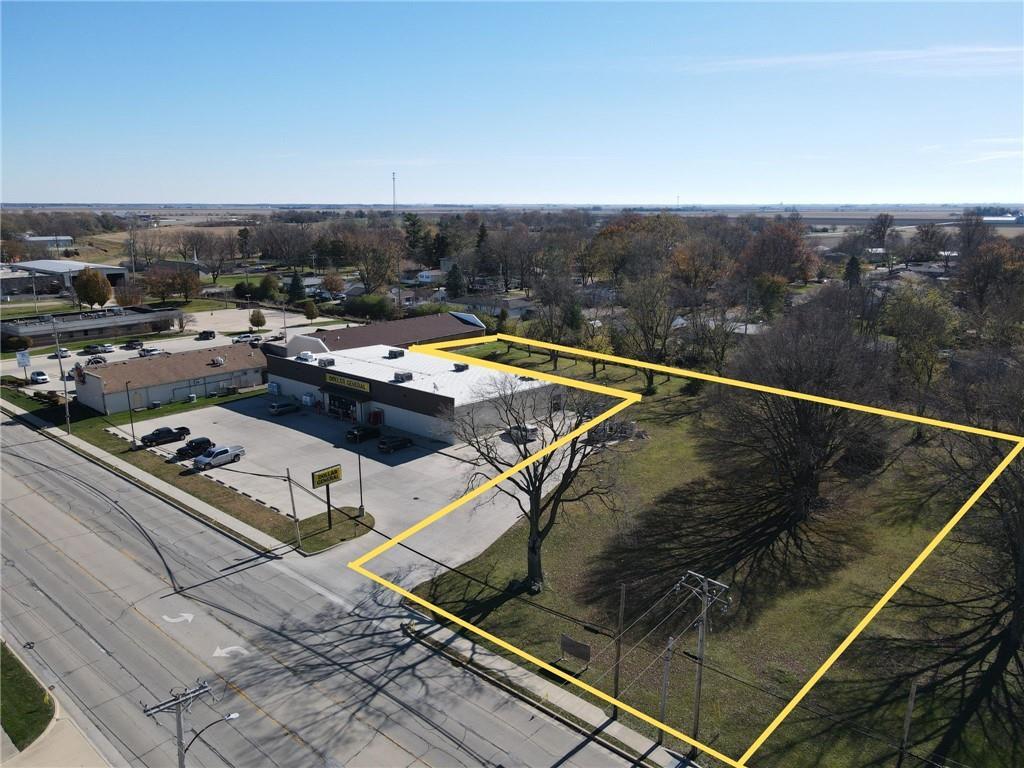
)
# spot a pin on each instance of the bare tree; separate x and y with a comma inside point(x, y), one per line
point(648, 321)
point(515, 420)
point(223, 251)
point(128, 293)
point(377, 256)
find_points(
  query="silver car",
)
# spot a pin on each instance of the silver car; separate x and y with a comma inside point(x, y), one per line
point(218, 455)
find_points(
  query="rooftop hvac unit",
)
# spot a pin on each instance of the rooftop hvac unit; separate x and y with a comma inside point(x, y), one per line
point(325, 362)
point(306, 357)
point(218, 361)
point(462, 367)
point(394, 354)
point(403, 376)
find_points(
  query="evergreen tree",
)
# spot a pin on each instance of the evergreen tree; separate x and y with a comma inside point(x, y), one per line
point(852, 273)
point(296, 292)
point(456, 283)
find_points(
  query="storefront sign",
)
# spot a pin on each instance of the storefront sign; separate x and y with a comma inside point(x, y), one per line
point(326, 476)
point(345, 381)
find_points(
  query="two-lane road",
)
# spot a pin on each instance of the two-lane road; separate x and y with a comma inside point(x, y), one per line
point(121, 597)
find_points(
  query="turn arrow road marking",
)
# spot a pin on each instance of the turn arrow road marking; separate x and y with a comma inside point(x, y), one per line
point(180, 617)
point(227, 651)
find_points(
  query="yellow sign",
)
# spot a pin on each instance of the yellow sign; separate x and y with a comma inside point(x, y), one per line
point(345, 381)
point(326, 476)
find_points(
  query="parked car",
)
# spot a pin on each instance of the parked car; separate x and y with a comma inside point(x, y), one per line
point(520, 434)
point(163, 435)
point(197, 446)
point(134, 344)
point(39, 377)
point(242, 338)
point(219, 455)
point(207, 335)
point(393, 443)
point(91, 349)
point(362, 433)
point(96, 360)
point(282, 407)
point(255, 341)
point(150, 351)
point(62, 352)
point(105, 349)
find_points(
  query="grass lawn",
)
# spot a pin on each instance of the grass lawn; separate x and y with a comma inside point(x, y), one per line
point(25, 707)
point(755, 665)
point(90, 426)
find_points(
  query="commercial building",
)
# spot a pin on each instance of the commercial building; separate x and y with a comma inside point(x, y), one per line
point(161, 379)
point(386, 386)
point(66, 271)
point(107, 323)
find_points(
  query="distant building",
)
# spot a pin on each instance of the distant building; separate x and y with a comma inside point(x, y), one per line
point(169, 378)
point(430, 276)
point(58, 242)
point(179, 267)
point(95, 324)
point(66, 271)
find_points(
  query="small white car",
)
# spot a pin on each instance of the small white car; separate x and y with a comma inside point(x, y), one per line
point(106, 348)
point(218, 455)
point(62, 352)
point(39, 377)
point(242, 338)
point(150, 351)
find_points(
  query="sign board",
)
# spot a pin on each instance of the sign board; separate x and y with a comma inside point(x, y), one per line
point(575, 648)
point(345, 381)
point(326, 476)
point(24, 358)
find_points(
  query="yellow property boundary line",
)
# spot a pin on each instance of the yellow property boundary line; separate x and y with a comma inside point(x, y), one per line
point(440, 349)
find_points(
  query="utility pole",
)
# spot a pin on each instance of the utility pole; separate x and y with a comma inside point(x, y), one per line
point(63, 378)
point(394, 196)
point(178, 702)
point(295, 515)
point(618, 647)
point(665, 670)
point(709, 591)
point(907, 718)
point(362, 510)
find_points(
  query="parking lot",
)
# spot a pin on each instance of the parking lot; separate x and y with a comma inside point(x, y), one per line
point(222, 321)
point(399, 489)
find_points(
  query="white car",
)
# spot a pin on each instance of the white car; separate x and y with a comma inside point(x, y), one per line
point(219, 454)
point(39, 377)
point(242, 338)
point(150, 351)
point(106, 348)
point(62, 352)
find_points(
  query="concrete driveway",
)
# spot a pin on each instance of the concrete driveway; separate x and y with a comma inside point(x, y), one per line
point(399, 489)
point(222, 321)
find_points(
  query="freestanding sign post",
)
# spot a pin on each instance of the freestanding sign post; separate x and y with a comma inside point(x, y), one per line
point(24, 361)
point(324, 477)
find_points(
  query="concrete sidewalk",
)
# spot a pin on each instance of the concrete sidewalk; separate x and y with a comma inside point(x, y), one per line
point(165, 489)
point(61, 745)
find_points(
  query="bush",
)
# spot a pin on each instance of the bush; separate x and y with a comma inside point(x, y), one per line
point(372, 307)
point(310, 310)
point(243, 289)
point(256, 319)
point(427, 309)
point(16, 343)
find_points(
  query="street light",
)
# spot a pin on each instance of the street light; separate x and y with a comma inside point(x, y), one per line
point(131, 418)
point(232, 716)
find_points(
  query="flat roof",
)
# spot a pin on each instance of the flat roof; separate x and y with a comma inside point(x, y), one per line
point(179, 366)
point(429, 373)
point(63, 266)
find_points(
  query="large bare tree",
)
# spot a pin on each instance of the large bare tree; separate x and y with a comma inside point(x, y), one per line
point(515, 420)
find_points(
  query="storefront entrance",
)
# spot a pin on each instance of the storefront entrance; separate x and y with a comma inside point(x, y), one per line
point(342, 404)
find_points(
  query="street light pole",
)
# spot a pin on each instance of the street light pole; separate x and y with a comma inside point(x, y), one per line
point(362, 510)
point(63, 379)
point(226, 718)
point(131, 418)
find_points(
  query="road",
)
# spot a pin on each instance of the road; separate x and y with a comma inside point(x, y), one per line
point(121, 597)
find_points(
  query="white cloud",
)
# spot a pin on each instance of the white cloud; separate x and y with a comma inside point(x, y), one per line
point(1000, 154)
point(939, 60)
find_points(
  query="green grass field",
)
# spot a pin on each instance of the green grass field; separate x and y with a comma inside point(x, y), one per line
point(25, 707)
point(754, 665)
point(90, 426)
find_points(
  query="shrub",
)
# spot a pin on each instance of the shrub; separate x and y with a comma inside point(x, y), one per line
point(244, 288)
point(16, 343)
point(372, 307)
point(256, 319)
point(310, 310)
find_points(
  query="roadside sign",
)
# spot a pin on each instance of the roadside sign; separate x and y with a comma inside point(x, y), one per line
point(326, 476)
point(24, 358)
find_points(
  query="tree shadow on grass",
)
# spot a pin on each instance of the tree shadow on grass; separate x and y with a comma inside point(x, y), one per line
point(747, 537)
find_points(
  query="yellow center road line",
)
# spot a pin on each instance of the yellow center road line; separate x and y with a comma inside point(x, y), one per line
point(882, 601)
point(440, 349)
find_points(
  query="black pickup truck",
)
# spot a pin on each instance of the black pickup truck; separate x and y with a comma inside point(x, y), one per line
point(165, 435)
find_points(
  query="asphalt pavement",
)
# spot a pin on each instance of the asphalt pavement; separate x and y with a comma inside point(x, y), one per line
point(115, 598)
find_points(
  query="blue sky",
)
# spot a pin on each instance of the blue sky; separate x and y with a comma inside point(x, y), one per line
point(512, 103)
